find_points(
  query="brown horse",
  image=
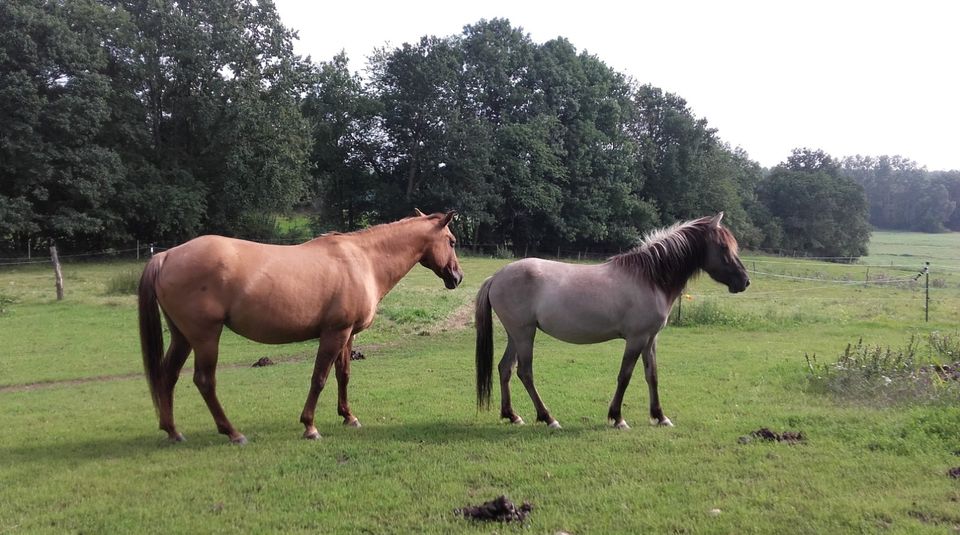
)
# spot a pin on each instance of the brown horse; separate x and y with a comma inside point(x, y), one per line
point(326, 288)
point(629, 297)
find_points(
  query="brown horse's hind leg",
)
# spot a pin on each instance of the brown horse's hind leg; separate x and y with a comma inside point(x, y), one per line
point(205, 377)
point(507, 363)
point(630, 355)
point(343, 379)
point(331, 348)
point(177, 354)
point(650, 370)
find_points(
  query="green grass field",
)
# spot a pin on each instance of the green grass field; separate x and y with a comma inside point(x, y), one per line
point(80, 452)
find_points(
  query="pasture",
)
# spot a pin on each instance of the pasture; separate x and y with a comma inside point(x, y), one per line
point(80, 450)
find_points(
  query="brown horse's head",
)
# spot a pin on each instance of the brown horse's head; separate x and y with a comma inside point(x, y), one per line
point(440, 255)
point(721, 262)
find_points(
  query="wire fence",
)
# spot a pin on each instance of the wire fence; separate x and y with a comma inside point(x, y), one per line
point(810, 274)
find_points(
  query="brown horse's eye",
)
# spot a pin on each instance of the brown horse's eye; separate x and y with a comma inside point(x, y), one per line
point(453, 243)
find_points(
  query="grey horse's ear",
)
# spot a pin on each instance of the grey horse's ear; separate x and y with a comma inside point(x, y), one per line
point(418, 213)
point(447, 218)
point(715, 220)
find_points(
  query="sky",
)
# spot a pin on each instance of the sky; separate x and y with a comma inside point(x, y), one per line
point(845, 76)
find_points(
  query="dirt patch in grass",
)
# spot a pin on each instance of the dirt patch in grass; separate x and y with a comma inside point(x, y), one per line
point(499, 509)
point(458, 319)
point(954, 472)
point(765, 434)
point(263, 361)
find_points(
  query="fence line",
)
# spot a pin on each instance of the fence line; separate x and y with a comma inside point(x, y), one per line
point(832, 281)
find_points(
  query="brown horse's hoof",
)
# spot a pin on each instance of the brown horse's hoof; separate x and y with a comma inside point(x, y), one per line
point(517, 421)
point(352, 423)
point(177, 437)
point(622, 424)
point(554, 425)
point(311, 435)
point(239, 440)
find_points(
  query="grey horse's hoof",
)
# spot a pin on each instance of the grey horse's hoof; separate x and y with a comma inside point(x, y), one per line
point(662, 423)
point(239, 440)
point(554, 425)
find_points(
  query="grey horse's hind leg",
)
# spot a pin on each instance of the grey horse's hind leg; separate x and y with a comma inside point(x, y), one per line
point(650, 370)
point(630, 355)
point(524, 346)
point(507, 363)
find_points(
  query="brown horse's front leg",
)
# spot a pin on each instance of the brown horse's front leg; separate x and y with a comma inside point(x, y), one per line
point(343, 379)
point(331, 347)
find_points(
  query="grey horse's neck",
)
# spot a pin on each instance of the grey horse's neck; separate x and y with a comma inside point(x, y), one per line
point(668, 258)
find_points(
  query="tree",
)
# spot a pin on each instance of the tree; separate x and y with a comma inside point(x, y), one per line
point(901, 193)
point(820, 211)
point(219, 85)
point(345, 123)
point(57, 177)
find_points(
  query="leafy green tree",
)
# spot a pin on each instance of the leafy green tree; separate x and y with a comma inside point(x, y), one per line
point(950, 180)
point(57, 177)
point(344, 119)
point(219, 85)
point(820, 211)
point(902, 194)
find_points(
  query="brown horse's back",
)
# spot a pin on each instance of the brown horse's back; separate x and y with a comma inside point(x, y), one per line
point(268, 293)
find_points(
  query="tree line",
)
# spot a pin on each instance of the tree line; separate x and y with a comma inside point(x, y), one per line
point(156, 120)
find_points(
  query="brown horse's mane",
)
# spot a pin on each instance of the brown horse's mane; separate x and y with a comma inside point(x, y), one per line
point(667, 258)
point(376, 228)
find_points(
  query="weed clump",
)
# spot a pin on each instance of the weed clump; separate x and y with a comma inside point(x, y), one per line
point(5, 302)
point(921, 371)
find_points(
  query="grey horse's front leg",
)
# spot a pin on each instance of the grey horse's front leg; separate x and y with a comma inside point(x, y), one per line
point(630, 355)
point(650, 370)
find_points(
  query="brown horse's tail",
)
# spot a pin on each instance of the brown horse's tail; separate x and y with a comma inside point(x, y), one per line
point(484, 323)
point(151, 331)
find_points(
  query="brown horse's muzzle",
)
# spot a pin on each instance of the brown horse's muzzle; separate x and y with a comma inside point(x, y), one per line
point(451, 277)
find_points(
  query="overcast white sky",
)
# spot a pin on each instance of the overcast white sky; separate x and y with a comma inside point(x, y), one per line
point(849, 77)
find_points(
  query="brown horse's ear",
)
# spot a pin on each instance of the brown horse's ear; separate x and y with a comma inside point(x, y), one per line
point(447, 218)
point(715, 220)
point(418, 213)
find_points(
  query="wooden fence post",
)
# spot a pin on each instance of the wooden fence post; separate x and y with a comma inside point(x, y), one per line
point(56, 270)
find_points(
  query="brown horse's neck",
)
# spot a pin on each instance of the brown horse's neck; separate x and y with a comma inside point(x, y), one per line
point(393, 249)
point(668, 259)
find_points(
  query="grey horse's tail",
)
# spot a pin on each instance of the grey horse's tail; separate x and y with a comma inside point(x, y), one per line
point(151, 331)
point(484, 324)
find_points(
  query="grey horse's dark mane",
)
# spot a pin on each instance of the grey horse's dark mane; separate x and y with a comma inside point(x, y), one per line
point(667, 258)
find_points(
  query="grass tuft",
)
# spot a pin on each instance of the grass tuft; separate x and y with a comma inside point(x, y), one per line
point(124, 282)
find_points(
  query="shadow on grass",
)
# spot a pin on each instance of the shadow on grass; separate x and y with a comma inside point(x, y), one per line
point(275, 433)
